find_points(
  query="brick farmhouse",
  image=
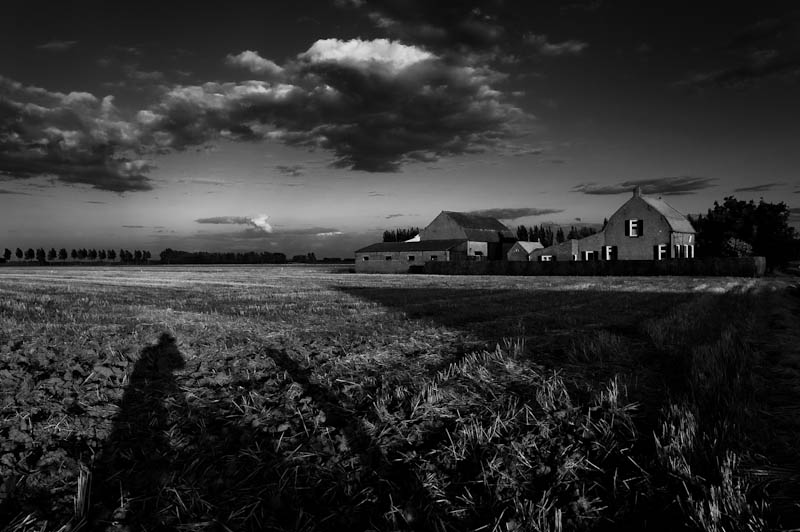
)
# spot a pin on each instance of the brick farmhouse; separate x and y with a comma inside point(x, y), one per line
point(644, 228)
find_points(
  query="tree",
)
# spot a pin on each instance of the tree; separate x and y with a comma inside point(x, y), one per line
point(82, 253)
point(92, 254)
point(41, 255)
point(74, 255)
point(573, 233)
point(400, 235)
point(52, 254)
point(30, 254)
point(7, 254)
point(522, 233)
point(146, 256)
point(62, 254)
point(112, 255)
point(762, 225)
point(137, 256)
point(560, 236)
point(101, 254)
point(19, 253)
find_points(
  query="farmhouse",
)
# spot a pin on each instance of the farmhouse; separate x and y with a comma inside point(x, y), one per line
point(644, 228)
point(451, 236)
point(521, 251)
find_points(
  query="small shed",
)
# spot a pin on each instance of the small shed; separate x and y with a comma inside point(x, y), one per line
point(521, 251)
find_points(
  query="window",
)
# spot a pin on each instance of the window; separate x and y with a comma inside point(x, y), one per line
point(434, 257)
point(365, 258)
point(574, 256)
point(609, 252)
point(678, 253)
point(660, 252)
point(479, 253)
point(589, 255)
point(411, 258)
point(388, 257)
point(634, 228)
point(688, 251)
point(546, 258)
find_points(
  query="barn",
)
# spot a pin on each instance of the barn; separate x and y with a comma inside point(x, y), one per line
point(486, 236)
point(451, 236)
point(643, 228)
point(521, 251)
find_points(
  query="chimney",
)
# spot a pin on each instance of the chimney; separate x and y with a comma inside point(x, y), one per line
point(637, 192)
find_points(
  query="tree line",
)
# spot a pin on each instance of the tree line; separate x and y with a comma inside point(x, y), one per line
point(545, 235)
point(171, 256)
point(102, 255)
point(400, 235)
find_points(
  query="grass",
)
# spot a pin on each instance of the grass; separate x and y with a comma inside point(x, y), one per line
point(285, 398)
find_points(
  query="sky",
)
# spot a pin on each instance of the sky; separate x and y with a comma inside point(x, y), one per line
point(310, 126)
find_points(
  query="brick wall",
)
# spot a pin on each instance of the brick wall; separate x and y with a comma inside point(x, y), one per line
point(720, 267)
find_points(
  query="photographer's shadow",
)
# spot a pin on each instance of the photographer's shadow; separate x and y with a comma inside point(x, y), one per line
point(129, 475)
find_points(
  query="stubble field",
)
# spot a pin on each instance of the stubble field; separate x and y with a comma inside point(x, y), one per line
point(306, 398)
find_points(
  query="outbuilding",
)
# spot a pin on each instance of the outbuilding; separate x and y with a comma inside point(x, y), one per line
point(400, 257)
point(521, 251)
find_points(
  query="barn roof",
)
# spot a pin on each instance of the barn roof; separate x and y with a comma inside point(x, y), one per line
point(476, 227)
point(424, 245)
point(475, 221)
point(676, 220)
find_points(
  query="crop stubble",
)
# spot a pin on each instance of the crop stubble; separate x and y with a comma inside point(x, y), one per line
point(286, 398)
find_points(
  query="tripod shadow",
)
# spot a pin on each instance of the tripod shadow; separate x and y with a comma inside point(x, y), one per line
point(130, 473)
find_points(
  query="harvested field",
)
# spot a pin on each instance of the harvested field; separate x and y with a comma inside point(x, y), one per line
point(308, 398)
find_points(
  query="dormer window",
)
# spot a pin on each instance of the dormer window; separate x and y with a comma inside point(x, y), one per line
point(634, 228)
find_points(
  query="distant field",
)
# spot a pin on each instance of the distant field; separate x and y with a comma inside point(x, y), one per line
point(309, 398)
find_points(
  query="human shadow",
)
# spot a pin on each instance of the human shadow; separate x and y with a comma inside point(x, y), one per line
point(128, 475)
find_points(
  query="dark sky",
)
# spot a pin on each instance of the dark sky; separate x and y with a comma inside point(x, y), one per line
point(315, 125)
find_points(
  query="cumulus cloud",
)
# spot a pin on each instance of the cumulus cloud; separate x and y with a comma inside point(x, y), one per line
point(396, 215)
point(375, 105)
point(253, 62)
point(544, 47)
point(513, 213)
point(75, 137)
point(258, 221)
point(441, 26)
point(667, 186)
point(365, 54)
point(4, 191)
point(759, 188)
point(57, 46)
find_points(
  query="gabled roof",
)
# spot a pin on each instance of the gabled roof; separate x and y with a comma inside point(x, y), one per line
point(474, 221)
point(478, 227)
point(424, 245)
point(529, 246)
point(677, 221)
